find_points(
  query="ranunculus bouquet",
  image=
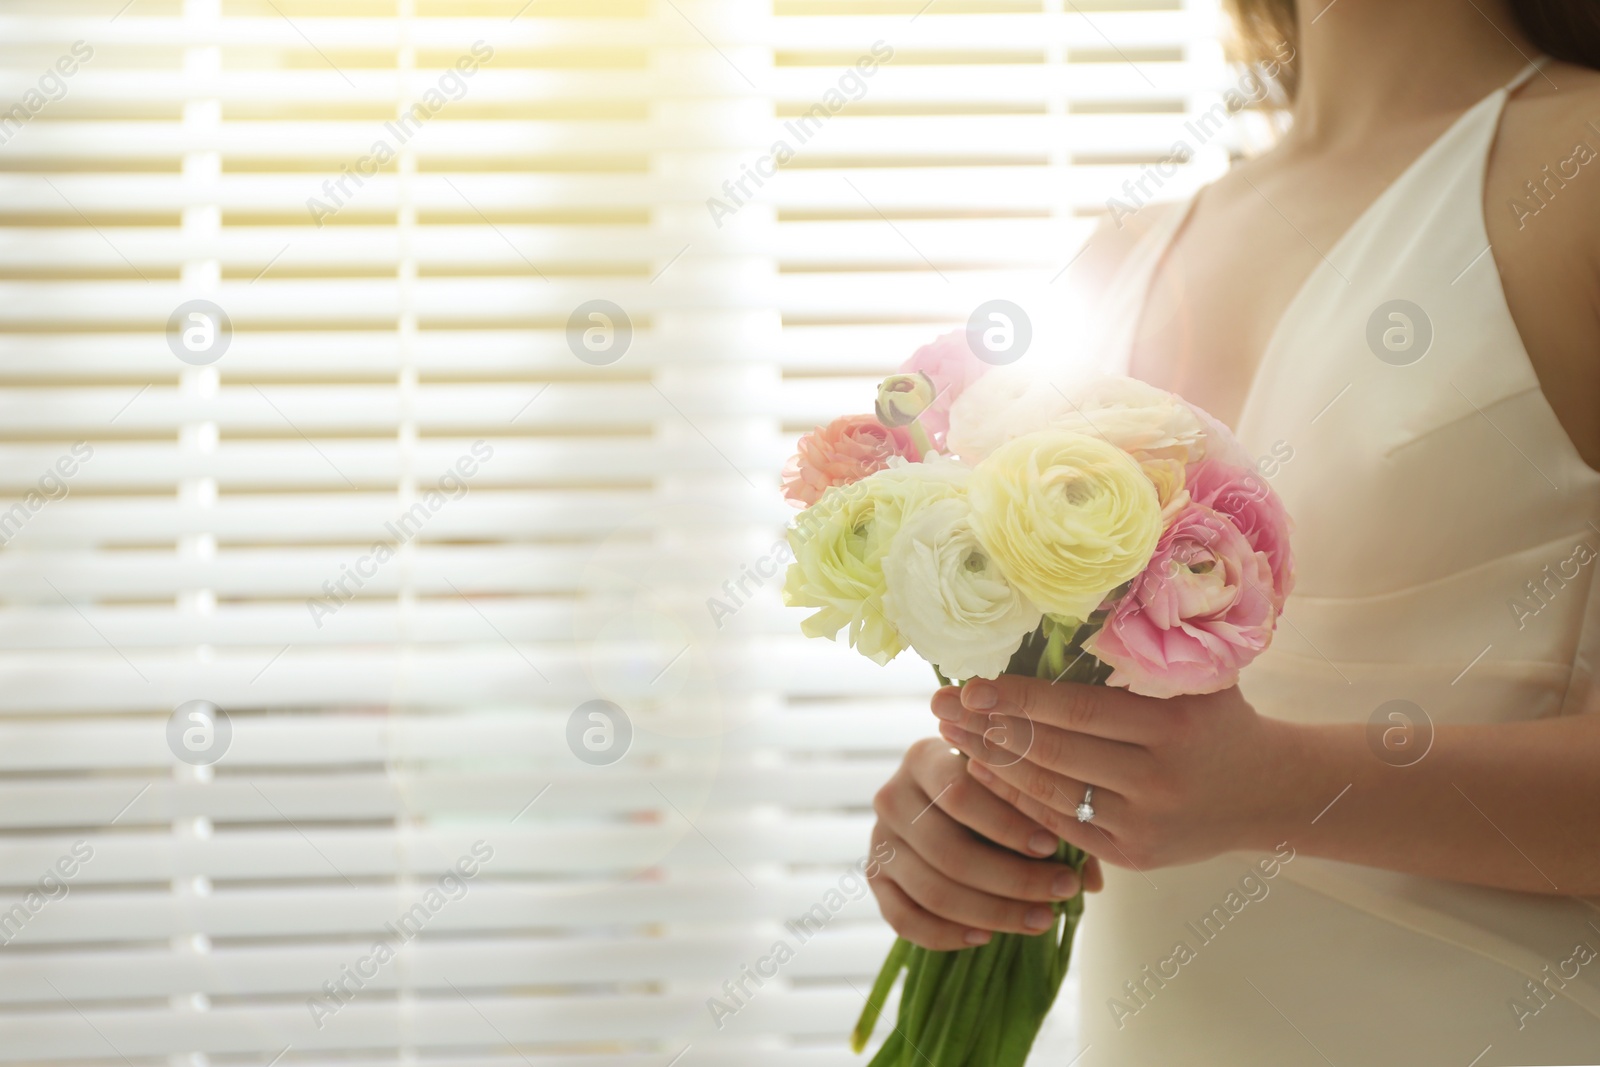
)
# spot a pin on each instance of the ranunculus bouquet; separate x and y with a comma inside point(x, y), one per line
point(1105, 532)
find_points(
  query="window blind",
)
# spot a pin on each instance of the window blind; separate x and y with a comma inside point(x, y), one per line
point(392, 395)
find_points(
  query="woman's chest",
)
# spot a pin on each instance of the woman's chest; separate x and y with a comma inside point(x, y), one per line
point(1235, 269)
point(1378, 378)
point(1253, 243)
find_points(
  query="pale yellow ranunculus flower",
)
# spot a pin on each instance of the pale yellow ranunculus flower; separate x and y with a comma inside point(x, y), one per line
point(1068, 516)
point(839, 544)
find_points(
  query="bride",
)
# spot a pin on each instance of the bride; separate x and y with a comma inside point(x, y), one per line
point(1384, 846)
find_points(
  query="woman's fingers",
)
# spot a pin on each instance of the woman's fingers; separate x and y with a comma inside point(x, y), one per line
point(1099, 710)
point(1058, 792)
point(1090, 835)
point(1055, 819)
point(953, 851)
point(955, 902)
point(1094, 879)
point(1006, 739)
point(947, 887)
point(944, 779)
point(941, 816)
point(916, 924)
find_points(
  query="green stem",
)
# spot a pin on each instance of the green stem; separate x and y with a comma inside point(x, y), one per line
point(991, 1015)
point(1071, 910)
point(1020, 1019)
point(984, 1007)
point(1075, 858)
point(919, 437)
point(891, 1051)
point(892, 966)
point(957, 1033)
point(916, 973)
point(953, 992)
point(915, 1004)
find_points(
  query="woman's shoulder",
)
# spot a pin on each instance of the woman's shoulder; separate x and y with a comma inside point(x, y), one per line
point(1564, 85)
point(1542, 188)
point(1102, 256)
point(1548, 152)
point(1542, 206)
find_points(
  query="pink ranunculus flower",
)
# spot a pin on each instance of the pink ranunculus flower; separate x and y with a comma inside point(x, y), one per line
point(845, 451)
point(1198, 614)
point(1245, 497)
point(951, 366)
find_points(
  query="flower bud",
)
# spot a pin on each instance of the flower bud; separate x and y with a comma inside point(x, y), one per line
point(902, 397)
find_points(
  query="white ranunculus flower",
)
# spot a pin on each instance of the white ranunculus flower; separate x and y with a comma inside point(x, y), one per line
point(1005, 403)
point(1137, 417)
point(948, 598)
point(1140, 419)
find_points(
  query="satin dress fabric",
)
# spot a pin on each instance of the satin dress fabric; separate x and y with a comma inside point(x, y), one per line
point(1446, 532)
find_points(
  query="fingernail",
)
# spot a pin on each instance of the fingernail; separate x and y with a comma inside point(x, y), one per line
point(957, 736)
point(977, 937)
point(1066, 885)
point(1038, 918)
point(1042, 843)
point(947, 705)
point(980, 695)
point(979, 771)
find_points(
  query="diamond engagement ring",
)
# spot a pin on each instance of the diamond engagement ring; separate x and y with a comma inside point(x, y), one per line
point(1086, 809)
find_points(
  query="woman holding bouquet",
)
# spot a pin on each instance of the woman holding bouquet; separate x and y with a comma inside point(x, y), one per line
point(1383, 845)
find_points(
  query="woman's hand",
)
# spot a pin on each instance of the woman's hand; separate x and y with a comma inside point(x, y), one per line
point(945, 888)
point(1175, 781)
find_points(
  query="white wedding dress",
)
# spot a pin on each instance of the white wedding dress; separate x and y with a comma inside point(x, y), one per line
point(1426, 497)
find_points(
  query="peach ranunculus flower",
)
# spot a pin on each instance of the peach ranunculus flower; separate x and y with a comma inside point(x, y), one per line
point(1199, 613)
point(846, 450)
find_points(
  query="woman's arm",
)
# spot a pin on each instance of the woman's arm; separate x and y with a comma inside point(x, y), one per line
point(1511, 805)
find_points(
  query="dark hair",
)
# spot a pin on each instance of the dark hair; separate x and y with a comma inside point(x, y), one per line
point(1564, 29)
